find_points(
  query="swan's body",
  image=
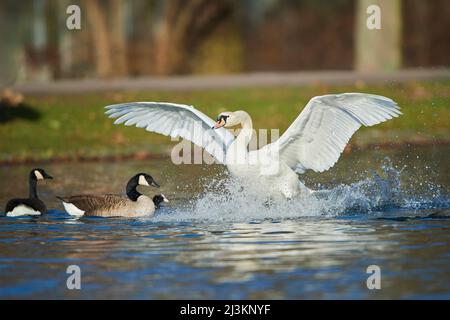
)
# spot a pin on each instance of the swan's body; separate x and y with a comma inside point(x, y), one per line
point(111, 205)
point(261, 169)
point(314, 140)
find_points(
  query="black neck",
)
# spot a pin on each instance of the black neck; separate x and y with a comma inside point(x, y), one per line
point(33, 192)
point(132, 193)
point(157, 200)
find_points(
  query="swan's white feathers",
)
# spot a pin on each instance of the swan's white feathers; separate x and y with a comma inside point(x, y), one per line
point(316, 139)
point(174, 120)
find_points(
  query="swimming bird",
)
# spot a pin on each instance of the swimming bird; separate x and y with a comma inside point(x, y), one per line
point(314, 141)
point(31, 205)
point(158, 199)
point(112, 205)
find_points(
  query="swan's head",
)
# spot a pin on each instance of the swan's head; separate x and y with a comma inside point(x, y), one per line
point(227, 120)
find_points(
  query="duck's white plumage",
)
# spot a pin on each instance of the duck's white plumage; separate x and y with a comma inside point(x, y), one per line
point(314, 140)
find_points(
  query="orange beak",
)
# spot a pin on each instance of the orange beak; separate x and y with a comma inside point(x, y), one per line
point(219, 124)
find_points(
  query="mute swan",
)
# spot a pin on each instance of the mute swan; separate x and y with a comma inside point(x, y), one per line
point(314, 140)
point(32, 205)
point(111, 205)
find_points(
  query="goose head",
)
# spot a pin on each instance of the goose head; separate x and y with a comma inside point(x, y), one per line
point(230, 119)
point(140, 179)
point(144, 179)
point(39, 174)
point(158, 199)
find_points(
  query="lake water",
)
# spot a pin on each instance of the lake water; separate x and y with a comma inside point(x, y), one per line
point(389, 208)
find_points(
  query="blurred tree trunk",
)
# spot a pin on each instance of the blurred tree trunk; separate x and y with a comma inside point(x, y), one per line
point(109, 38)
point(419, 10)
point(53, 37)
point(102, 47)
point(40, 68)
point(12, 53)
point(378, 49)
point(117, 36)
point(65, 42)
point(186, 24)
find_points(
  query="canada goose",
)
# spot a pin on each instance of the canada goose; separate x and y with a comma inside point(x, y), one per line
point(158, 199)
point(31, 205)
point(111, 205)
point(314, 140)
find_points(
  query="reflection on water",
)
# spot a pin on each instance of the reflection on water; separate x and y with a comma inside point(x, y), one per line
point(192, 250)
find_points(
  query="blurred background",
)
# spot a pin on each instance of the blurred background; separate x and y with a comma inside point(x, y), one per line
point(134, 38)
point(269, 57)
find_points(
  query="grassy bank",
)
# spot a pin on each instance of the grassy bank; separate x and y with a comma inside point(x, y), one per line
point(66, 126)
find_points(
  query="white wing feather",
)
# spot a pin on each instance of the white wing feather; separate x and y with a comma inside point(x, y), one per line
point(316, 139)
point(174, 120)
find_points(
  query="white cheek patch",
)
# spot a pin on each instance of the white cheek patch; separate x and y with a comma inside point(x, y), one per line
point(142, 181)
point(164, 198)
point(38, 175)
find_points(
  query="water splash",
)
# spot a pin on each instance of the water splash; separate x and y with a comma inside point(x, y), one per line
point(230, 200)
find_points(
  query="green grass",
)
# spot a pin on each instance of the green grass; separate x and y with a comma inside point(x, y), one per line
point(75, 126)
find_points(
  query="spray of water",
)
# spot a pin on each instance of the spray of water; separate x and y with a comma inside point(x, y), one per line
point(232, 200)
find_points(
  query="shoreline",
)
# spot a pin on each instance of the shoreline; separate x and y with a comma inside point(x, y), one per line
point(233, 81)
point(56, 128)
point(140, 156)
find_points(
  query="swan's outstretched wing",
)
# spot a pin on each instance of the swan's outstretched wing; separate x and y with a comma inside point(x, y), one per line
point(174, 120)
point(316, 139)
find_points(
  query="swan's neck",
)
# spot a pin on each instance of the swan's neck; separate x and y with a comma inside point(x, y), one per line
point(246, 121)
point(238, 149)
point(245, 134)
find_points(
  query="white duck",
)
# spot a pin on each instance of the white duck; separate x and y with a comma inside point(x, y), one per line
point(314, 140)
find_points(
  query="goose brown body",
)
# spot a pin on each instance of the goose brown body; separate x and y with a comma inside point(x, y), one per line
point(111, 205)
point(134, 204)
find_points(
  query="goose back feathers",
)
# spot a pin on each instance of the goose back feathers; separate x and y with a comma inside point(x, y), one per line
point(26, 206)
point(108, 205)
